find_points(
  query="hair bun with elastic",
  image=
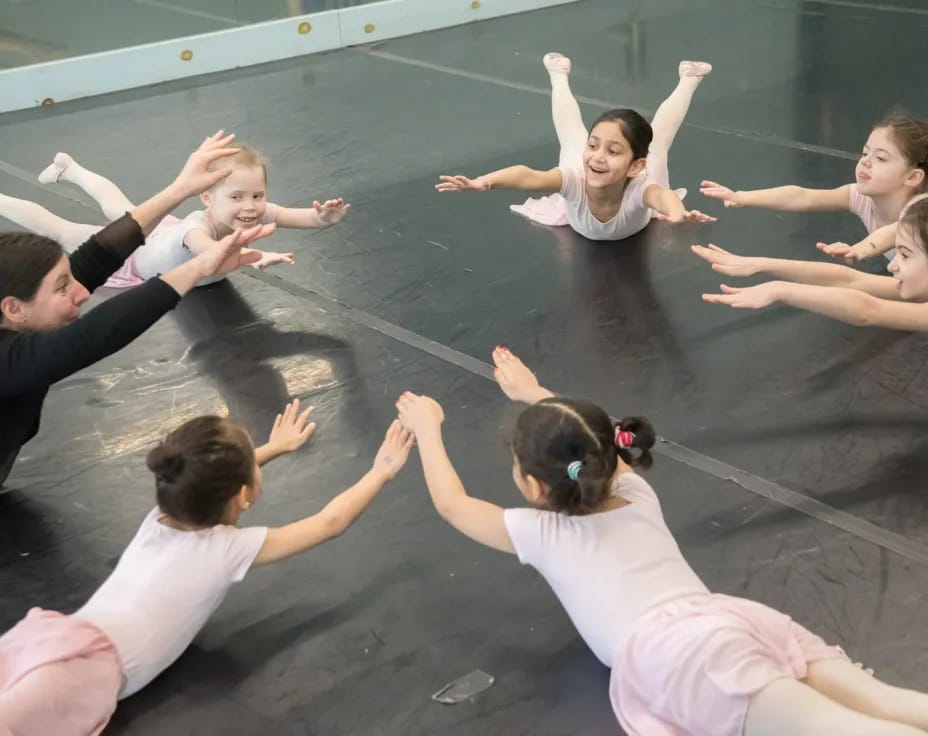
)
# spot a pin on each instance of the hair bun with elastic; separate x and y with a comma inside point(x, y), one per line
point(165, 463)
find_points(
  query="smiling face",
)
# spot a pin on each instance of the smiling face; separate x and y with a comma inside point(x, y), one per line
point(910, 265)
point(883, 168)
point(239, 200)
point(608, 159)
point(57, 302)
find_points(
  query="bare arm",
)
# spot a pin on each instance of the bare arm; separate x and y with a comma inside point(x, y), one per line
point(846, 305)
point(788, 198)
point(513, 177)
point(876, 243)
point(220, 258)
point(804, 272)
point(342, 511)
point(291, 430)
point(665, 202)
point(480, 520)
point(321, 214)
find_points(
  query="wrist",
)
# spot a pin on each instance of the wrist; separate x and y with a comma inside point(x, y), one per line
point(538, 394)
point(781, 290)
point(177, 192)
point(380, 475)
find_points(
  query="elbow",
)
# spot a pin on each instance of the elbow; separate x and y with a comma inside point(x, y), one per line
point(334, 524)
point(447, 511)
point(867, 314)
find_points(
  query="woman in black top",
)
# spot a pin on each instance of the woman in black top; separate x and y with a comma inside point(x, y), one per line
point(44, 338)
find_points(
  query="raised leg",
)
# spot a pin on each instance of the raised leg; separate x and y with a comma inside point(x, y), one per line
point(110, 197)
point(35, 218)
point(670, 115)
point(568, 121)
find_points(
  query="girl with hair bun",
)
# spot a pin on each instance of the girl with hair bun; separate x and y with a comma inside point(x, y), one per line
point(63, 674)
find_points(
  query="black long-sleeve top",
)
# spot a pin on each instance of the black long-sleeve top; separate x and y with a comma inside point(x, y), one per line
point(30, 362)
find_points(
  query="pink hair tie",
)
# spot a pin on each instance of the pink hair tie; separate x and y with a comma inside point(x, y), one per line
point(623, 439)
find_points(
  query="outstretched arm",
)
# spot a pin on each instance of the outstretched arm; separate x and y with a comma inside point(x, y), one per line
point(670, 208)
point(321, 214)
point(33, 360)
point(792, 198)
point(342, 511)
point(480, 520)
point(514, 177)
point(875, 244)
point(846, 305)
point(290, 432)
point(515, 379)
point(805, 272)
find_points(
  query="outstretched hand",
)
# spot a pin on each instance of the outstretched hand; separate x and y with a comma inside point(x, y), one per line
point(229, 253)
point(291, 428)
point(332, 211)
point(394, 451)
point(689, 217)
point(718, 191)
point(270, 258)
point(750, 297)
point(460, 183)
point(419, 413)
point(515, 379)
point(725, 262)
point(195, 177)
point(850, 254)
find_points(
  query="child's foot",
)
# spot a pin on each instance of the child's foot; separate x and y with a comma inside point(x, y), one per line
point(556, 63)
point(53, 173)
point(694, 68)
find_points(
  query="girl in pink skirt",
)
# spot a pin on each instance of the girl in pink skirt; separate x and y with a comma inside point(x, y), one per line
point(891, 174)
point(684, 660)
point(609, 183)
point(62, 675)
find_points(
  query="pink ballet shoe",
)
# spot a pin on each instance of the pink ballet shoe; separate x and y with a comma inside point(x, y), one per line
point(695, 68)
point(555, 62)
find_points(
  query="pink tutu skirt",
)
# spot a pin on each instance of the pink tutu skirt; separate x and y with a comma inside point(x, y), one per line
point(58, 675)
point(128, 275)
point(691, 667)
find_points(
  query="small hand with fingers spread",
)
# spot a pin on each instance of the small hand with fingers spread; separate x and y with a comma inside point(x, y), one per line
point(719, 191)
point(460, 183)
point(725, 262)
point(750, 297)
point(515, 379)
point(332, 211)
point(394, 451)
point(419, 413)
point(291, 429)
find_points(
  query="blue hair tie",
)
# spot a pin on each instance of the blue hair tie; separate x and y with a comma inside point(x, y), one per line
point(573, 470)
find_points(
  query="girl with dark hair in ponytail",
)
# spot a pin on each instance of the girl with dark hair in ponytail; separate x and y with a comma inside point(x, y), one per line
point(684, 660)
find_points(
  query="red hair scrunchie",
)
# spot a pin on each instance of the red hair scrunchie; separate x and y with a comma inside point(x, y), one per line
point(623, 439)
